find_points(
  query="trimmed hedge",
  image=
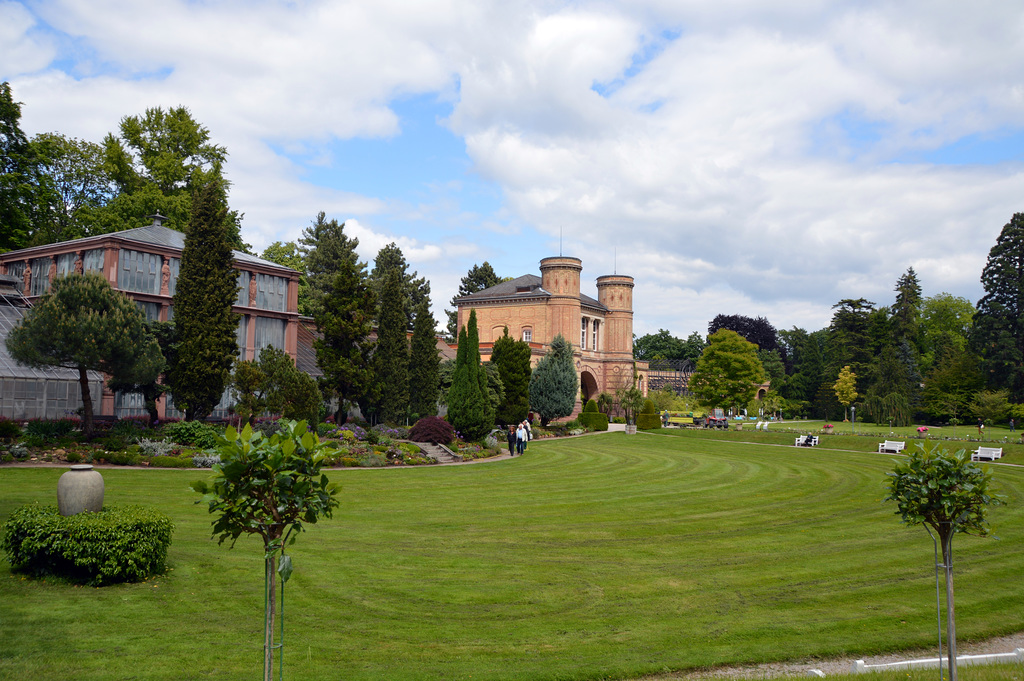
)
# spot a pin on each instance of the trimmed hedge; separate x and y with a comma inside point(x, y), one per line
point(594, 420)
point(118, 544)
point(648, 421)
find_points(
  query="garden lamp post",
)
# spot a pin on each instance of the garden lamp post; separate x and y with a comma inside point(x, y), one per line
point(853, 419)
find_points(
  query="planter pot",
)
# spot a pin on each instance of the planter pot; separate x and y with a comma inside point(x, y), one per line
point(80, 489)
point(827, 430)
point(630, 430)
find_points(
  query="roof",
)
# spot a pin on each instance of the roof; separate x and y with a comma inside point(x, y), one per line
point(11, 312)
point(154, 235)
point(520, 288)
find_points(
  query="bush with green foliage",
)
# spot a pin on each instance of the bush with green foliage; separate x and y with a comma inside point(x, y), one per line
point(125, 457)
point(193, 433)
point(169, 461)
point(9, 430)
point(554, 385)
point(593, 420)
point(432, 429)
point(51, 428)
point(118, 544)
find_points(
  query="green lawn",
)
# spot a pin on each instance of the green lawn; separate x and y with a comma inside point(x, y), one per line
point(609, 556)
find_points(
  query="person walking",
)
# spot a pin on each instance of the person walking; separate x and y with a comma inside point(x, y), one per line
point(981, 426)
point(529, 434)
point(520, 439)
point(1011, 425)
point(511, 437)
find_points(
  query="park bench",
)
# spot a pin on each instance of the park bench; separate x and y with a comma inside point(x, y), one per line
point(988, 453)
point(891, 446)
point(806, 441)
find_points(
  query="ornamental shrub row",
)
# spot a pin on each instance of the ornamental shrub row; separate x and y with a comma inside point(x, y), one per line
point(593, 420)
point(118, 544)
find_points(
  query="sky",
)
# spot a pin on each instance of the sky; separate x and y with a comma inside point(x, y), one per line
point(734, 157)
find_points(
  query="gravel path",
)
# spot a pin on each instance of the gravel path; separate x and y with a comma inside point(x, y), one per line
point(842, 665)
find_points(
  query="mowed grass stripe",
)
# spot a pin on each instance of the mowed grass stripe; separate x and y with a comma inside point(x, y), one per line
point(599, 557)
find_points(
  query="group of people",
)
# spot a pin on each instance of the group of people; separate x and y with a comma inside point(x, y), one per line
point(518, 436)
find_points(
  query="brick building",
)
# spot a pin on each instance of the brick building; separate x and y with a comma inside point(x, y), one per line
point(536, 309)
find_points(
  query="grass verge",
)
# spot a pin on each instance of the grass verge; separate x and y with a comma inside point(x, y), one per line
point(608, 556)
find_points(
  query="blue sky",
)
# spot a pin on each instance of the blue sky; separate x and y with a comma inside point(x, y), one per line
point(735, 157)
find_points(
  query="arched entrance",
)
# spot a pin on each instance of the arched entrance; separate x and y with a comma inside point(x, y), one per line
point(588, 386)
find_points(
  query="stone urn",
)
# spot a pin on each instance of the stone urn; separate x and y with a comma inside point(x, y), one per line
point(80, 489)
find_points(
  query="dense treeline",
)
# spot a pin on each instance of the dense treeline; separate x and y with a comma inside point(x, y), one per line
point(934, 359)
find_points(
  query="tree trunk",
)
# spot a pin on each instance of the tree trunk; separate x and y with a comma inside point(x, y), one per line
point(83, 382)
point(268, 623)
point(947, 560)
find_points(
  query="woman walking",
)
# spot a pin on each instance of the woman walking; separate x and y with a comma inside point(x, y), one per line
point(511, 437)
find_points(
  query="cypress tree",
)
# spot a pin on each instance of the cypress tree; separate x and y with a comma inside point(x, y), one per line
point(205, 322)
point(512, 357)
point(554, 384)
point(343, 351)
point(469, 408)
point(424, 363)
point(391, 357)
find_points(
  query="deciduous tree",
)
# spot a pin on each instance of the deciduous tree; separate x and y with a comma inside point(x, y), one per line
point(728, 373)
point(949, 495)
point(846, 386)
point(206, 325)
point(82, 323)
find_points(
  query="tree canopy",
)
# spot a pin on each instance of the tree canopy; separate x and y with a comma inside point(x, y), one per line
point(327, 251)
point(999, 320)
point(554, 385)
point(206, 325)
point(424, 364)
point(391, 356)
point(469, 405)
point(18, 174)
point(477, 278)
point(414, 288)
point(728, 373)
point(82, 323)
point(512, 357)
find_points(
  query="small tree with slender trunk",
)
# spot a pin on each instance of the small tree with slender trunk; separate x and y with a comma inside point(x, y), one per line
point(948, 494)
point(82, 323)
point(269, 487)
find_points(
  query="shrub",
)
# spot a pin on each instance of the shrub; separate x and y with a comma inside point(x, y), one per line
point(203, 460)
point(157, 447)
point(121, 458)
point(194, 433)
point(171, 461)
point(268, 426)
point(73, 457)
point(131, 430)
point(432, 429)
point(119, 544)
point(649, 407)
point(593, 420)
point(9, 430)
point(645, 421)
point(19, 452)
point(51, 428)
point(371, 459)
point(590, 407)
point(112, 443)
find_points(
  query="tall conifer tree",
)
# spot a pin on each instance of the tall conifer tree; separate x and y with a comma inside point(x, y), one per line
point(391, 357)
point(424, 363)
point(512, 357)
point(469, 408)
point(554, 384)
point(343, 352)
point(999, 321)
point(206, 325)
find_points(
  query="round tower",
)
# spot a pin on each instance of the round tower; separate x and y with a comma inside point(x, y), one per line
point(615, 291)
point(560, 277)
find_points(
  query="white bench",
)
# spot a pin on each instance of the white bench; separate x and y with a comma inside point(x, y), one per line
point(891, 446)
point(988, 453)
point(806, 441)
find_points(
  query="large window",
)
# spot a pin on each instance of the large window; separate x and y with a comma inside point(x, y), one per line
point(172, 284)
point(593, 346)
point(242, 298)
point(150, 310)
point(92, 261)
point(583, 333)
point(242, 336)
point(17, 269)
point(66, 264)
point(271, 293)
point(40, 275)
point(269, 332)
point(138, 271)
